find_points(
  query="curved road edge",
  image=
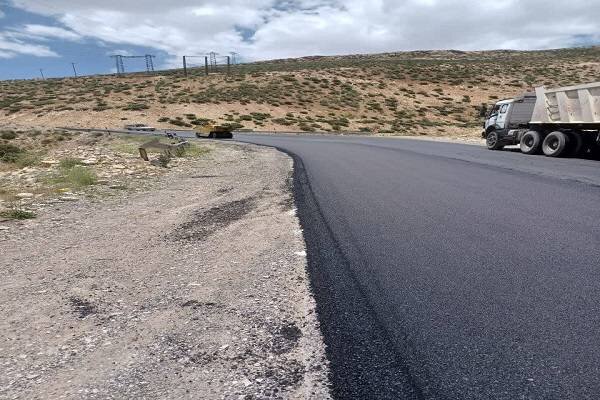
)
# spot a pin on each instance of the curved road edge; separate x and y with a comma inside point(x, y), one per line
point(364, 363)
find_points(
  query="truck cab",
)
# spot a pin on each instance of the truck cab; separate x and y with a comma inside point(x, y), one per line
point(496, 117)
point(507, 120)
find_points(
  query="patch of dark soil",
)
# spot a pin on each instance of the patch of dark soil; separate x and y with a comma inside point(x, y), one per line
point(82, 307)
point(197, 304)
point(204, 176)
point(202, 357)
point(206, 222)
point(285, 337)
point(281, 379)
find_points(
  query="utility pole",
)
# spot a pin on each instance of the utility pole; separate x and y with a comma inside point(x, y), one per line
point(184, 67)
point(213, 61)
point(228, 64)
point(206, 65)
point(42, 73)
point(149, 63)
point(74, 70)
point(119, 63)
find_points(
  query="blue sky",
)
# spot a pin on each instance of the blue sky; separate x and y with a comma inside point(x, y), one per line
point(50, 34)
point(91, 56)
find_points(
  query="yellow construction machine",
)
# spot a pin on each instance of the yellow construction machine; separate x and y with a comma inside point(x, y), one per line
point(214, 131)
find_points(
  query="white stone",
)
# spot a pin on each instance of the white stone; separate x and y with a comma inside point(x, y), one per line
point(24, 195)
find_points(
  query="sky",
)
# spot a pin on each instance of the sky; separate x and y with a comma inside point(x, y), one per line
point(52, 34)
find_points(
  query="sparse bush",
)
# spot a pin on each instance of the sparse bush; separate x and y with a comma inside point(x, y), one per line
point(81, 176)
point(10, 153)
point(135, 107)
point(68, 163)
point(179, 122)
point(17, 212)
point(8, 135)
point(164, 159)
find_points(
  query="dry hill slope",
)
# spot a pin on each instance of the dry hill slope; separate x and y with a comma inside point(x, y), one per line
point(412, 93)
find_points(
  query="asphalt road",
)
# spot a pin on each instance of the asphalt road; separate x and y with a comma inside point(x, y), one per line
point(446, 271)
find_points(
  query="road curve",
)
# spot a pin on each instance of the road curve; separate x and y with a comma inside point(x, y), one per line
point(446, 271)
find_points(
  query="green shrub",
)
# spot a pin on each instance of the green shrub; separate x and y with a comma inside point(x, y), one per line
point(164, 160)
point(8, 135)
point(68, 163)
point(179, 122)
point(17, 213)
point(10, 153)
point(135, 107)
point(81, 176)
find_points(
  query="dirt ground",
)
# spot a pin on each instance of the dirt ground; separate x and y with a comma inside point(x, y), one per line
point(194, 289)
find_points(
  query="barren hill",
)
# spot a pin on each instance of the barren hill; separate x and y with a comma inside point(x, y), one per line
point(406, 93)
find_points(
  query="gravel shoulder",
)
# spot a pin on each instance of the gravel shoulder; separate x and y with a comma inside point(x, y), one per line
point(195, 289)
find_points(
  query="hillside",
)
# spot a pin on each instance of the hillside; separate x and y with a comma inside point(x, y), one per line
point(409, 93)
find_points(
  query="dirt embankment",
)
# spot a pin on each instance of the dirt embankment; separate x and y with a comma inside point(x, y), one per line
point(196, 289)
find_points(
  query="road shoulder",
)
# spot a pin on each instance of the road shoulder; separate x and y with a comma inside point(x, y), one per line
point(197, 289)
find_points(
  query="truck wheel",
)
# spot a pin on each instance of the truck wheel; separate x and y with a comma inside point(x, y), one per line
point(555, 144)
point(575, 144)
point(493, 141)
point(531, 142)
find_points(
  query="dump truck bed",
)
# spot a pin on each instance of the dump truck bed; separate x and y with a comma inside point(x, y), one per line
point(574, 105)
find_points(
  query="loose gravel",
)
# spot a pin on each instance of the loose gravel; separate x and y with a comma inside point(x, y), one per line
point(196, 289)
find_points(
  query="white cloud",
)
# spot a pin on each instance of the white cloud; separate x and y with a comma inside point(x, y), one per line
point(48, 32)
point(122, 52)
point(261, 29)
point(11, 47)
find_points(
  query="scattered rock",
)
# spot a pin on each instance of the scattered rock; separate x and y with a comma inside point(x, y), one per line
point(69, 198)
point(24, 195)
point(49, 163)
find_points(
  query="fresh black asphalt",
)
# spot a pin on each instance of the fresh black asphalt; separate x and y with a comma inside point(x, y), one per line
point(447, 271)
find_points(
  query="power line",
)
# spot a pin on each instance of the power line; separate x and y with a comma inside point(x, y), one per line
point(121, 66)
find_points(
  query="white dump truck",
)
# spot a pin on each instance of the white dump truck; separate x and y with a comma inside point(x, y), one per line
point(557, 122)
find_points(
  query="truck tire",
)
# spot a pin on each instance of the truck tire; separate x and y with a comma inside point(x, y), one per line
point(493, 141)
point(555, 144)
point(531, 142)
